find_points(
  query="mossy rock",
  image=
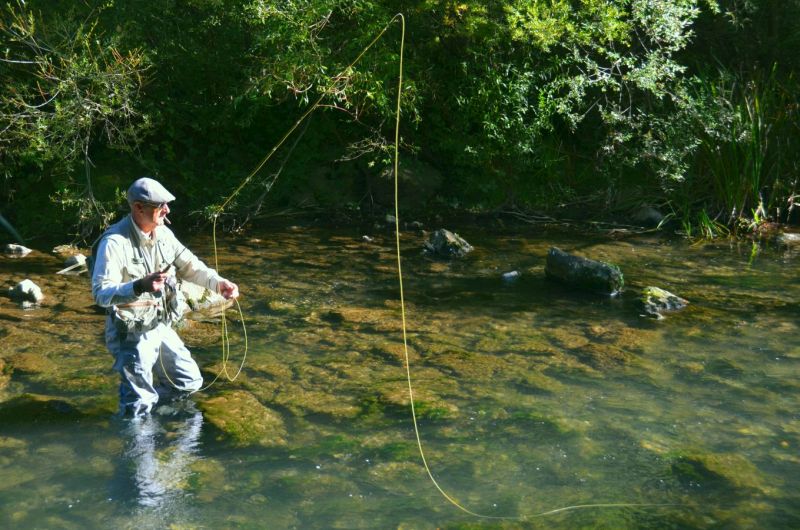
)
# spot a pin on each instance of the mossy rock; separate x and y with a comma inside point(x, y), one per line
point(208, 479)
point(301, 401)
point(394, 396)
point(656, 301)
point(31, 363)
point(601, 356)
point(244, 419)
point(378, 318)
point(312, 485)
point(28, 408)
point(719, 471)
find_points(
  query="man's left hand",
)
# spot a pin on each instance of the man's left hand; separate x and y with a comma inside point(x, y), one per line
point(228, 289)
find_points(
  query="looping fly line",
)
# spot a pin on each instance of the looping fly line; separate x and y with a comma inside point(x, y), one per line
point(251, 175)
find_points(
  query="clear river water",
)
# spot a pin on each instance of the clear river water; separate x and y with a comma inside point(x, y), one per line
point(530, 396)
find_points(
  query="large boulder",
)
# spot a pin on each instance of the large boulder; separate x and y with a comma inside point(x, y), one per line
point(583, 273)
point(446, 244)
point(646, 215)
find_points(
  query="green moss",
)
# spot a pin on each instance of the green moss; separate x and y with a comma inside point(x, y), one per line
point(242, 418)
point(35, 408)
point(725, 471)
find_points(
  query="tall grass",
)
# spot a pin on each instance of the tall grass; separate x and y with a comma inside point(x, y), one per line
point(746, 167)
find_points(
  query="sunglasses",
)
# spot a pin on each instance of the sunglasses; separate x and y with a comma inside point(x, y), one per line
point(154, 205)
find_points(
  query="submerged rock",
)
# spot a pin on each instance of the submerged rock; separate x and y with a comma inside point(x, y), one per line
point(583, 273)
point(719, 471)
point(446, 244)
point(656, 301)
point(26, 292)
point(511, 276)
point(17, 251)
point(35, 407)
point(244, 419)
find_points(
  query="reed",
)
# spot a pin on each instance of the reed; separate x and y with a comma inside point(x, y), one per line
point(746, 157)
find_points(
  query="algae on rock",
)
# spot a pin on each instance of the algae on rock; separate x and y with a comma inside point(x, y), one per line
point(244, 419)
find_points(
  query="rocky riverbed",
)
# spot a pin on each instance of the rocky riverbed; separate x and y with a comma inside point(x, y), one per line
point(530, 395)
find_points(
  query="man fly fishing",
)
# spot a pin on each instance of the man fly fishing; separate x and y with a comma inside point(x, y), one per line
point(134, 276)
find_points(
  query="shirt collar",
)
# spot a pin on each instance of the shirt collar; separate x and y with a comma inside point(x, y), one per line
point(144, 239)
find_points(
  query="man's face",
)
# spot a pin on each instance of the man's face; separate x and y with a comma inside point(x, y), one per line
point(148, 215)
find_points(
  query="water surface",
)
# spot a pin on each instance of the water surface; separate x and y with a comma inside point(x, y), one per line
point(531, 397)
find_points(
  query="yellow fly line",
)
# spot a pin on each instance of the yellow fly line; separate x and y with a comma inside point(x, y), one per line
point(224, 326)
point(219, 209)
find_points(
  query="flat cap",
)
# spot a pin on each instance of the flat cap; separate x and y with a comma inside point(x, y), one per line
point(149, 190)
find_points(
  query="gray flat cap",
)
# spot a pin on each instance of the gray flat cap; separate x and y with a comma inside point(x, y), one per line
point(148, 190)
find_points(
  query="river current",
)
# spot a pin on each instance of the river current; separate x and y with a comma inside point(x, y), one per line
point(530, 396)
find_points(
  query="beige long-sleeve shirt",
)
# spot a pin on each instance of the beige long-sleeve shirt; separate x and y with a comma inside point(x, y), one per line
point(125, 254)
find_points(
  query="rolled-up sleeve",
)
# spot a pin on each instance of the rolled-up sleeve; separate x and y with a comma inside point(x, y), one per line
point(107, 286)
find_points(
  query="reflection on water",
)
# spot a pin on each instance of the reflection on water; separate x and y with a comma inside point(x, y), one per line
point(155, 467)
point(530, 396)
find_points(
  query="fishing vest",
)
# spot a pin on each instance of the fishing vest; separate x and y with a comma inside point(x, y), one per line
point(139, 260)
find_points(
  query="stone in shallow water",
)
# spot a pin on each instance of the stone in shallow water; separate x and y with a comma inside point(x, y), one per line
point(656, 301)
point(583, 273)
point(17, 251)
point(446, 244)
point(244, 419)
point(29, 408)
point(27, 291)
point(719, 471)
point(788, 240)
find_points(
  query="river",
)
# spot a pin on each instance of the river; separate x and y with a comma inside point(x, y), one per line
point(530, 396)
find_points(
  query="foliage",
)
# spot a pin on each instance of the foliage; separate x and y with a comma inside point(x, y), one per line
point(64, 89)
point(526, 104)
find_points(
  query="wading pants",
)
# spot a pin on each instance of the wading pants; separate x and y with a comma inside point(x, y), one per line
point(136, 356)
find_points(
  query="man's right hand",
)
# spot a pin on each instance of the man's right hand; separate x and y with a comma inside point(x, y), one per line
point(151, 283)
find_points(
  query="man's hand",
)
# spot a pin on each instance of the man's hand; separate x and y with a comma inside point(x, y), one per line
point(228, 289)
point(150, 284)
